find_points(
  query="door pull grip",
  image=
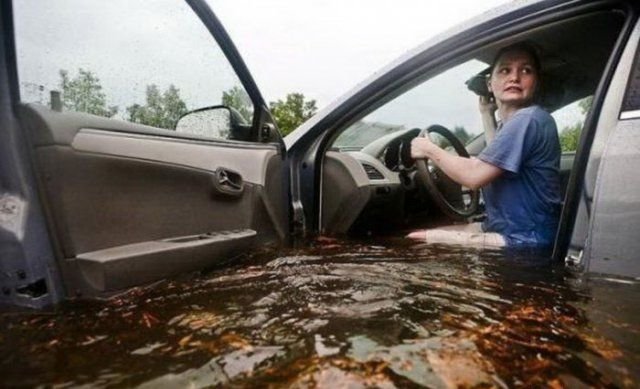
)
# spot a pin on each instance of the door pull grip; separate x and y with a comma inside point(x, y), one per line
point(227, 182)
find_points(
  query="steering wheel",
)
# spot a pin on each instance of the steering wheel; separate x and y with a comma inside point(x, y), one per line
point(446, 193)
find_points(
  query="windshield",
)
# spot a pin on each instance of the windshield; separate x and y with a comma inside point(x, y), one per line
point(443, 99)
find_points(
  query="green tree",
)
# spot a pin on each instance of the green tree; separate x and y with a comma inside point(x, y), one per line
point(84, 93)
point(585, 104)
point(161, 109)
point(238, 99)
point(569, 136)
point(292, 112)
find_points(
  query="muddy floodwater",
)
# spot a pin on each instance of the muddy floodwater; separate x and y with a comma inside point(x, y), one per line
point(341, 315)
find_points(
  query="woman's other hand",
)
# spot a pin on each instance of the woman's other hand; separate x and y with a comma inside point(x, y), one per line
point(487, 105)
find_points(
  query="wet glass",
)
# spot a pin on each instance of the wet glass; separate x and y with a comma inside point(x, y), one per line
point(147, 62)
point(214, 122)
point(360, 314)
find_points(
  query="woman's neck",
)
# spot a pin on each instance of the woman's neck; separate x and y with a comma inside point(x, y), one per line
point(507, 110)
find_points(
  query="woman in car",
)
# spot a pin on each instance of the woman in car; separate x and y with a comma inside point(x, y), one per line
point(519, 169)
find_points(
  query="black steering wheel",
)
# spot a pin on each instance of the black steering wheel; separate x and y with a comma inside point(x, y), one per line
point(446, 193)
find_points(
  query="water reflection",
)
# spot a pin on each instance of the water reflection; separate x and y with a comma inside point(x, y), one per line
point(361, 315)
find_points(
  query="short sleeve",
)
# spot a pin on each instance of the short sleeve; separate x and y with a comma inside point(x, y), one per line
point(508, 148)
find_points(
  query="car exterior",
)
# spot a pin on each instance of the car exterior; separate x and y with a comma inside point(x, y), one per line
point(93, 204)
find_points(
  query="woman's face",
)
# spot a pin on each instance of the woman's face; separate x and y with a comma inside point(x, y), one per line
point(514, 79)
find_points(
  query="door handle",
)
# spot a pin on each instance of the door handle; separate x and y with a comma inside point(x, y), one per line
point(227, 182)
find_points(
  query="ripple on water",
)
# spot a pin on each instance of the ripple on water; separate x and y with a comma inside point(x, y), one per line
point(362, 315)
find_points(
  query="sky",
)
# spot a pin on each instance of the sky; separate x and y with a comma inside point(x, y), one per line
point(322, 48)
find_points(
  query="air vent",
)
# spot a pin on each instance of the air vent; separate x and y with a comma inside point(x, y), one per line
point(372, 172)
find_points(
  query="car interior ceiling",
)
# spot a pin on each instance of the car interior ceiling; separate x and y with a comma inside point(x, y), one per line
point(573, 59)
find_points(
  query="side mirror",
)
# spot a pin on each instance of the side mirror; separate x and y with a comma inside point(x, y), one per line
point(218, 121)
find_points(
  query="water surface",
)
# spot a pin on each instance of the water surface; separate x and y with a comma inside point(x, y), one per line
point(361, 315)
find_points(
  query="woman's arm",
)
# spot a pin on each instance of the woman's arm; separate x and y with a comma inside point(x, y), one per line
point(470, 172)
point(487, 112)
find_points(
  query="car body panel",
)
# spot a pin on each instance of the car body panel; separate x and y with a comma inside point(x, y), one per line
point(611, 204)
point(30, 274)
point(613, 244)
point(575, 240)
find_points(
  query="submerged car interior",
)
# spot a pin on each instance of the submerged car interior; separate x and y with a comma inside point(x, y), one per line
point(370, 183)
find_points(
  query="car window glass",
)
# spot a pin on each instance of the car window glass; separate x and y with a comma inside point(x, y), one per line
point(570, 120)
point(147, 62)
point(443, 99)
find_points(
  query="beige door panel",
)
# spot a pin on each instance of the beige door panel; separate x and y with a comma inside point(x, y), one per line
point(130, 207)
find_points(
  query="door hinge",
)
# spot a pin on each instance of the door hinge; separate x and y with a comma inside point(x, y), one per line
point(574, 258)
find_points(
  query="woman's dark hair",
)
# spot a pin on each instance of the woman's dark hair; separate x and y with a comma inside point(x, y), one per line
point(522, 47)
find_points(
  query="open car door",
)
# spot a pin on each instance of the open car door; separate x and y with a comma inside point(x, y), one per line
point(139, 145)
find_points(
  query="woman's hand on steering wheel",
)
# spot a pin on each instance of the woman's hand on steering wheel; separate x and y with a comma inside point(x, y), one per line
point(420, 146)
point(453, 203)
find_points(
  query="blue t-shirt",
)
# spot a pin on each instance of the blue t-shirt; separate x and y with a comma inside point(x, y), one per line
point(523, 204)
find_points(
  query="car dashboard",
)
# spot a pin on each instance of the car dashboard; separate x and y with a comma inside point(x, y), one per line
point(365, 188)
